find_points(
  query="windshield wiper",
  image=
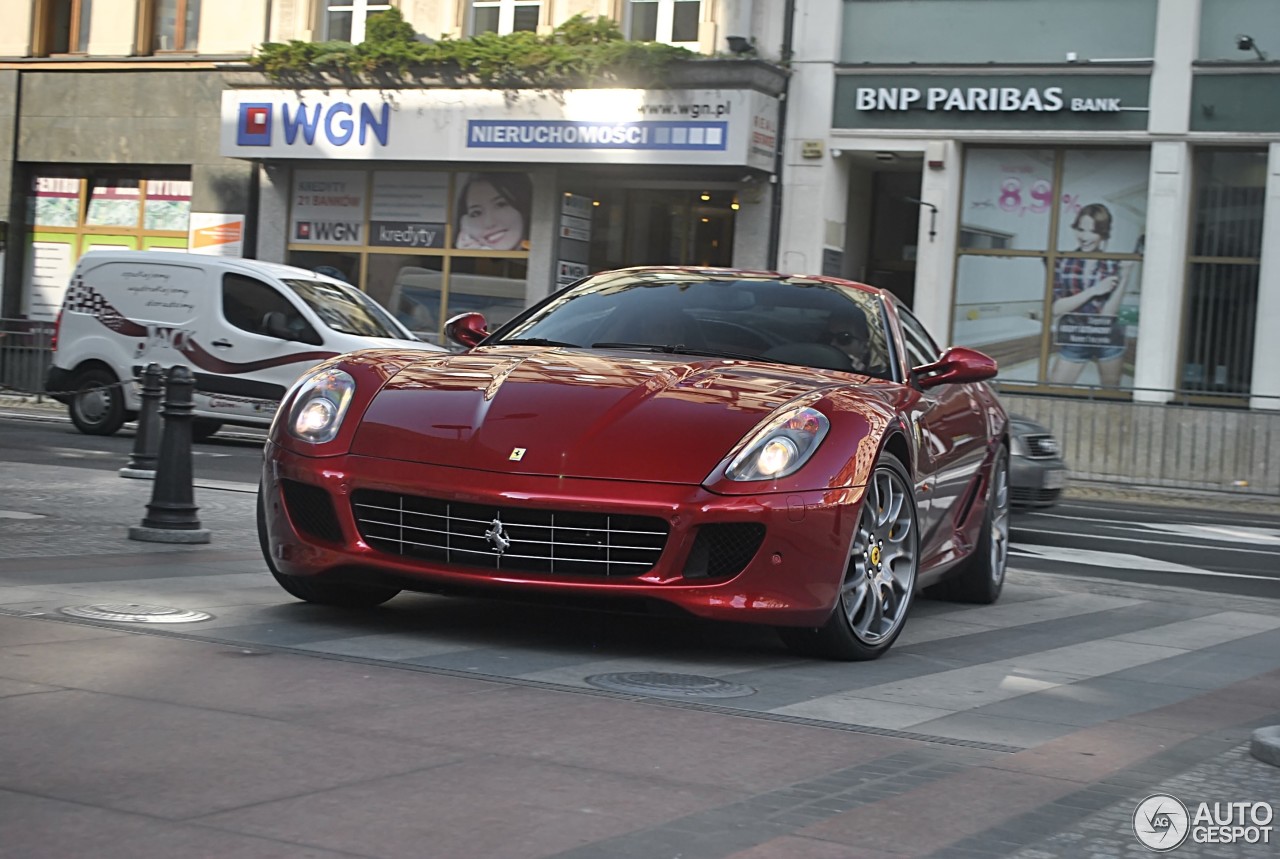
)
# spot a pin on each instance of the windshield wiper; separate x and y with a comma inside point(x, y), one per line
point(678, 349)
point(531, 341)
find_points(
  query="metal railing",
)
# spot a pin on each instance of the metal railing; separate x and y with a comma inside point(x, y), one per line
point(1186, 443)
point(26, 350)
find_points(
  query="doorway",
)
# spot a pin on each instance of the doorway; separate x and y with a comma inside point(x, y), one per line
point(895, 225)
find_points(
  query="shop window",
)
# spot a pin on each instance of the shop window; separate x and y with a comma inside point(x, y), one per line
point(674, 22)
point(62, 26)
point(1051, 245)
point(1222, 277)
point(346, 22)
point(1224, 22)
point(504, 16)
point(175, 25)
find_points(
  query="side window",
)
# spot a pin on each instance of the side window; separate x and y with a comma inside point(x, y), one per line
point(246, 303)
point(920, 346)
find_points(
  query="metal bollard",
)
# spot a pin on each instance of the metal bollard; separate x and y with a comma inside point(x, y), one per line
point(171, 515)
point(142, 461)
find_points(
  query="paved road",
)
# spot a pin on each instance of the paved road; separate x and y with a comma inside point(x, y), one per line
point(1029, 728)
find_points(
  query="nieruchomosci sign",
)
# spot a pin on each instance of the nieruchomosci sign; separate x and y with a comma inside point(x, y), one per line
point(613, 126)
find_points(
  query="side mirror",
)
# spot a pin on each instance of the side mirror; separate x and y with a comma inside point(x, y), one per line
point(276, 324)
point(957, 366)
point(467, 329)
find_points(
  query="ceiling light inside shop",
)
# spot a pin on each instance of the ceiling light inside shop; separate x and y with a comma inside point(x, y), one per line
point(706, 197)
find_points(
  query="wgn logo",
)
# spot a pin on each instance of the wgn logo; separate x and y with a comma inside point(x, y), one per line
point(337, 122)
point(327, 231)
point(1161, 822)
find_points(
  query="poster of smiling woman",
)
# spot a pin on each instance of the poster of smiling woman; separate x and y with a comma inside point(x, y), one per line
point(491, 211)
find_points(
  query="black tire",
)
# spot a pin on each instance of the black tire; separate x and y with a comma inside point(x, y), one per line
point(97, 406)
point(980, 579)
point(203, 428)
point(858, 630)
point(318, 591)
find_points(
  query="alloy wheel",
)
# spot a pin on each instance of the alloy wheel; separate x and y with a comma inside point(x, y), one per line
point(881, 576)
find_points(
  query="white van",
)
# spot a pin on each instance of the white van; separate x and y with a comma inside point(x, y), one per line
point(246, 329)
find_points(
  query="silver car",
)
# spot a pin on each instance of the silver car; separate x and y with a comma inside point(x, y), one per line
point(1037, 472)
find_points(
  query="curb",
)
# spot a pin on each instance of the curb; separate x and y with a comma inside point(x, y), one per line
point(1265, 745)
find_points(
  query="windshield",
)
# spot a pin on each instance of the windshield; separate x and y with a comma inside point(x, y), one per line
point(347, 310)
point(777, 319)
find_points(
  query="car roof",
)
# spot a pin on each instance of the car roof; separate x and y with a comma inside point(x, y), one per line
point(177, 257)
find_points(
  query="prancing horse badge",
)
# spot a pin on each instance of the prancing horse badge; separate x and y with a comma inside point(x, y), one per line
point(517, 454)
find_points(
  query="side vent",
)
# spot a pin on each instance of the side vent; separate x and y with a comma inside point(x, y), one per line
point(311, 511)
point(722, 551)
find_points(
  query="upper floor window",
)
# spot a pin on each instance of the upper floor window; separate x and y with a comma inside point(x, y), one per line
point(63, 27)
point(175, 25)
point(504, 16)
point(345, 22)
point(672, 21)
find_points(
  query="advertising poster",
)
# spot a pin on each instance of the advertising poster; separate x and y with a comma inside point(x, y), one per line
point(216, 234)
point(168, 205)
point(491, 211)
point(48, 273)
point(409, 209)
point(55, 202)
point(327, 207)
point(113, 202)
point(1018, 287)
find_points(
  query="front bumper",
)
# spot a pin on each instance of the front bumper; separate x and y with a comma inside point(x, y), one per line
point(792, 579)
point(1036, 482)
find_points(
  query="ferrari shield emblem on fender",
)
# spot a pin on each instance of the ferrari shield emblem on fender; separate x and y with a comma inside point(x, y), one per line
point(517, 454)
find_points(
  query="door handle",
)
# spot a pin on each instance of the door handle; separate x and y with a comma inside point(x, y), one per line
point(224, 344)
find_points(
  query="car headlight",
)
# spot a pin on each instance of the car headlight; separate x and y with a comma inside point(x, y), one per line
point(319, 405)
point(781, 446)
point(1017, 447)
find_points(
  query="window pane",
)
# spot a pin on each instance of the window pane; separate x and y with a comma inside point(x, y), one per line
point(60, 26)
point(644, 20)
point(165, 26)
point(494, 287)
point(484, 20)
point(999, 309)
point(1222, 21)
point(1221, 308)
point(55, 201)
point(338, 26)
point(1230, 192)
point(113, 203)
point(191, 25)
point(82, 33)
point(684, 24)
point(168, 205)
point(412, 288)
point(1008, 198)
point(1106, 190)
point(981, 31)
point(526, 18)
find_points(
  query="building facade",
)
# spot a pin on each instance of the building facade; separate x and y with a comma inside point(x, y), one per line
point(1089, 191)
point(137, 123)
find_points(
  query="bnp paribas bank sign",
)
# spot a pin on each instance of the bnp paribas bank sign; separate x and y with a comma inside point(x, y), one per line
point(1067, 102)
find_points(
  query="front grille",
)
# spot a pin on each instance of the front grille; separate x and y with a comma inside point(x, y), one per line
point(720, 551)
point(311, 511)
point(1033, 496)
point(1040, 446)
point(551, 542)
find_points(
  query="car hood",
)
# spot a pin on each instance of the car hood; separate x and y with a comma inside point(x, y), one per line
point(583, 414)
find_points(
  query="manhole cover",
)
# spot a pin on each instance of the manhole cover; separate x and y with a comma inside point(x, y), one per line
point(133, 613)
point(660, 685)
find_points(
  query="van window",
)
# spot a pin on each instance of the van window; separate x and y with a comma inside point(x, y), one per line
point(345, 309)
point(246, 302)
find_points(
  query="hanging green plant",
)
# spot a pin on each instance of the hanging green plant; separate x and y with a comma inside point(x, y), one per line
point(580, 52)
